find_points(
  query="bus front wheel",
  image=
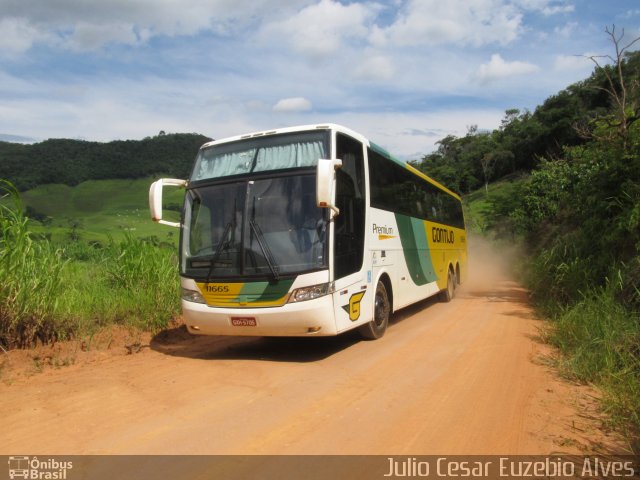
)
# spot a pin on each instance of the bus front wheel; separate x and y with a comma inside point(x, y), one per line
point(381, 312)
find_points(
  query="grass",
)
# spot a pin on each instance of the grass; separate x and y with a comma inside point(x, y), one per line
point(600, 343)
point(131, 282)
point(30, 277)
point(51, 291)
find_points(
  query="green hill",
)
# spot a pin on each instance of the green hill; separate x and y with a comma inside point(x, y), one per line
point(91, 191)
point(71, 162)
point(98, 209)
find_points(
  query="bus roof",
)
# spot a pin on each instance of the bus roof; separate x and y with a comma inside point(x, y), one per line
point(340, 128)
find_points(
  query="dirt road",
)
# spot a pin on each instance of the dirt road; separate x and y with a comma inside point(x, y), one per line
point(466, 377)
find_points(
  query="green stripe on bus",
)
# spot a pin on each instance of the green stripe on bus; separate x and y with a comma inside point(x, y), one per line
point(378, 149)
point(275, 290)
point(252, 289)
point(415, 248)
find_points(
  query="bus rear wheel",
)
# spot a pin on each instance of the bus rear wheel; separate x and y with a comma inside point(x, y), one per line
point(448, 293)
point(381, 313)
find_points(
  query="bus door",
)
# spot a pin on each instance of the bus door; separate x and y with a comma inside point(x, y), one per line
point(352, 297)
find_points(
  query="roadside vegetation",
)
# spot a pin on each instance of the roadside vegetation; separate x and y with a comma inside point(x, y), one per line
point(51, 291)
point(566, 185)
point(77, 249)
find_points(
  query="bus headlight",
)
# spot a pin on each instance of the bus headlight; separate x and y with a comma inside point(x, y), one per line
point(192, 296)
point(309, 293)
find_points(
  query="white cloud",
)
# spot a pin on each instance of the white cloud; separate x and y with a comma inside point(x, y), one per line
point(555, 9)
point(89, 25)
point(295, 104)
point(567, 30)
point(18, 35)
point(321, 29)
point(375, 68)
point(572, 63)
point(546, 7)
point(465, 22)
point(88, 36)
point(498, 68)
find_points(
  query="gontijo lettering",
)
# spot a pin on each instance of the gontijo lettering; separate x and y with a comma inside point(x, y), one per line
point(442, 235)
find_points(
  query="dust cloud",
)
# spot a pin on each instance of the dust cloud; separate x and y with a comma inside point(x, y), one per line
point(490, 263)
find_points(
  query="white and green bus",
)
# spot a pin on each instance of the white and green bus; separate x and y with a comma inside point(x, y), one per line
point(310, 231)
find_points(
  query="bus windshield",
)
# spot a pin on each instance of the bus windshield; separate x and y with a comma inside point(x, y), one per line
point(267, 227)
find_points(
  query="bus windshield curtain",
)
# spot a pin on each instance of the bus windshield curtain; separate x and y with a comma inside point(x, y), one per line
point(212, 165)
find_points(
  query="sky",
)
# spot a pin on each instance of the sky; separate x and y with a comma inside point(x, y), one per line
point(405, 73)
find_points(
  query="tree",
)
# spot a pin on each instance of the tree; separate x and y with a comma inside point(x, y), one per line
point(622, 90)
point(490, 160)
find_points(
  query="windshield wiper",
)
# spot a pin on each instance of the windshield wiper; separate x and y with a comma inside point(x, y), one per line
point(265, 248)
point(218, 251)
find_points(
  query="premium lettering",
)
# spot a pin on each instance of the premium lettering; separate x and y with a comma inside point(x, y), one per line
point(382, 230)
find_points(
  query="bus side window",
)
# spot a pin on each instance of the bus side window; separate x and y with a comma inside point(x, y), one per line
point(350, 199)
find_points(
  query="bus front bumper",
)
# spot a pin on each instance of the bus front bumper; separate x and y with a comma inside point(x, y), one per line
point(302, 319)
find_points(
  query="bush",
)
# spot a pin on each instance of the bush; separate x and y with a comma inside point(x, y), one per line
point(147, 277)
point(132, 283)
point(49, 293)
point(30, 279)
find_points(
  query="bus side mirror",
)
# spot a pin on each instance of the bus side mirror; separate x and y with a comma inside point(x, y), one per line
point(326, 184)
point(155, 199)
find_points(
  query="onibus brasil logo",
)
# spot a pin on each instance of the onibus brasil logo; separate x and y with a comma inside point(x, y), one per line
point(36, 469)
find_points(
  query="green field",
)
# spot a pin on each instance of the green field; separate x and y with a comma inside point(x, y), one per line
point(99, 209)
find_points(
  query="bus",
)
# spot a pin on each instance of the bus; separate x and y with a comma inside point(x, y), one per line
point(310, 231)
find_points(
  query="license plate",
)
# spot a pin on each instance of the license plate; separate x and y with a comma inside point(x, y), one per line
point(244, 322)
